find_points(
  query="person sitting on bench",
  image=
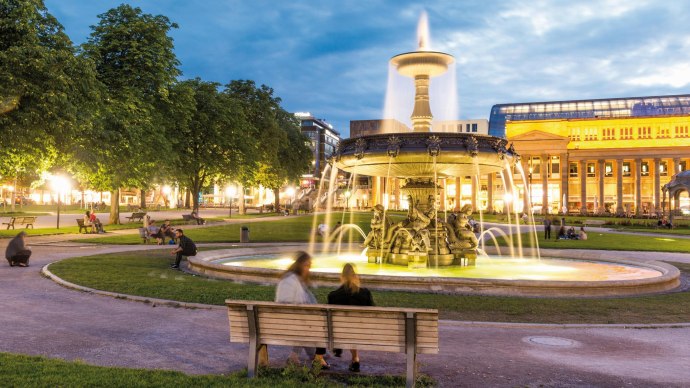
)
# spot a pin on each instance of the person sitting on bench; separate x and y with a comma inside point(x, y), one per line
point(199, 220)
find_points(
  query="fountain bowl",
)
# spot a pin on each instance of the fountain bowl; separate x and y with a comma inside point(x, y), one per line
point(431, 63)
point(667, 277)
point(423, 154)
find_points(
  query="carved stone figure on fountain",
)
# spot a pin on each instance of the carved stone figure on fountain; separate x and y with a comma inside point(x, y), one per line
point(461, 238)
point(379, 223)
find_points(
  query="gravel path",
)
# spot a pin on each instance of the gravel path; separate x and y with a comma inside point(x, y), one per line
point(41, 317)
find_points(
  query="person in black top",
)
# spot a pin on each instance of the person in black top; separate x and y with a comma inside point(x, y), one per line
point(350, 293)
point(186, 248)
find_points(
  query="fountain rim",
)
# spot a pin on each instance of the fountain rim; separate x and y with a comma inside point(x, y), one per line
point(669, 279)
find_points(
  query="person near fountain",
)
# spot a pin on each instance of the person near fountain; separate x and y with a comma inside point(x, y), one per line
point(322, 230)
point(199, 220)
point(582, 235)
point(547, 228)
point(17, 253)
point(294, 288)
point(352, 294)
point(186, 248)
point(561, 234)
point(96, 223)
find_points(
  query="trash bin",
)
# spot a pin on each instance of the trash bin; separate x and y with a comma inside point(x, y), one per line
point(244, 234)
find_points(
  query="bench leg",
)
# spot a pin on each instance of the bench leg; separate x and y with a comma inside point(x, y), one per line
point(410, 349)
point(252, 361)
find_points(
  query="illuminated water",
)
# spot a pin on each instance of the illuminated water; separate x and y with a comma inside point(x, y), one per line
point(485, 268)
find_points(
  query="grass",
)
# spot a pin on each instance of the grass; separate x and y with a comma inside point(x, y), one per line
point(35, 371)
point(609, 241)
point(147, 274)
point(286, 229)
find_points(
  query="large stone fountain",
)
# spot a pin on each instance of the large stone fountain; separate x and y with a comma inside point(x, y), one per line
point(421, 157)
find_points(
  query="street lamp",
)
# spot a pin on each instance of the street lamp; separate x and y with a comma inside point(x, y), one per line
point(231, 191)
point(61, 185)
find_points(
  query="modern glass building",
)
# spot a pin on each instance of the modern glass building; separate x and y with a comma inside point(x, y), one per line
point(587, 109)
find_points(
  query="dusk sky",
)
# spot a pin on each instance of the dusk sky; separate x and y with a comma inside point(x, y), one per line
point(331, 57)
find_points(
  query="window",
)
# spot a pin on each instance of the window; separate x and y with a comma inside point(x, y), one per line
point(682, 166)
point(663, 168)
point(467, 127)
point(609, 134)
point(535, 164)
point(591, 134)
point(626, 168)
point(590, 170)
point(682, 131)
point(474, 127)
point(556, 165)
point(663, 133)
point(574, 134)
point(573, 170)
point(626, 133)
point(644, 169)
point(608, 169)
point(644, 132)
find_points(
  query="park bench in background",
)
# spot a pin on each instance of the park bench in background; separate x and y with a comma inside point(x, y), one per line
point(27, 221)
point(188, 218)
point(593, 222)
point(386, 329)
point(136, 216)
point(80, 222)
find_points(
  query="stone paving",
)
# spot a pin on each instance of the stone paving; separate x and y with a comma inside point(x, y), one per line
point(41, 317)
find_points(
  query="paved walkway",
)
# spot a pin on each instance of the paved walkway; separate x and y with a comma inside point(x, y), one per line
point(41, 317)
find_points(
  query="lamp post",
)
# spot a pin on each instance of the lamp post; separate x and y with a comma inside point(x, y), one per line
point(60, 185)
point(230, 191)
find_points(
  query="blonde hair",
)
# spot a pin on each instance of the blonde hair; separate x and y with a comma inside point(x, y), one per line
point(349, 278)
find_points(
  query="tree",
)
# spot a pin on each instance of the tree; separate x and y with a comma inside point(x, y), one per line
point(209, 128)
point(47, 93)
point(136, 63)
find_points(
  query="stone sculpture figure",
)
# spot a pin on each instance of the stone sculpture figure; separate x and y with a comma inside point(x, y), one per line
point(374, 239)
point(460, 235)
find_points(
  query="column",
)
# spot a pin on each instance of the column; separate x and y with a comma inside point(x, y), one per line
point(545, 166)
point(676, 165)
point(397, 192)
point(619, 187)
point(565, 173)
point(526, 198)
point(458, 192)
point(442, 200)
point(657, 185)
point(475, 193)
point(375, 190)
point(638, 187)
point(490, 192)
point(583, 186)
point(601, 165)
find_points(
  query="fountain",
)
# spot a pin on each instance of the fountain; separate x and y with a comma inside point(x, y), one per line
point(424, 251)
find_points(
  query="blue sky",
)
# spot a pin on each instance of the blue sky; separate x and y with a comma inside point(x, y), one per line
point(331, 57)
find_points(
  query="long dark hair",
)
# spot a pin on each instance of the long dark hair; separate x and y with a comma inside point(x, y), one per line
point(301, 258)
point(349, 278)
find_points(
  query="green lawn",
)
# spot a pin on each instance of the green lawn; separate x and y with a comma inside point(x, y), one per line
point(147, 274)
point(32, 371)
point(609, 241)
point(285, 229)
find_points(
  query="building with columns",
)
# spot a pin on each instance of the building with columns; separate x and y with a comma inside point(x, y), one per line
point(600, 156)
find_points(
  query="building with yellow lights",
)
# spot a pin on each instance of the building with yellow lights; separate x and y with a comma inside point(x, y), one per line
point(598, 156)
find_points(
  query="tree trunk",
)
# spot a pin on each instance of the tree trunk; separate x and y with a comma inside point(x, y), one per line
point(142, 203)
point(115, 207)
point(186, 198)
point(196, 188)
point(240, 195)
point(276, 191)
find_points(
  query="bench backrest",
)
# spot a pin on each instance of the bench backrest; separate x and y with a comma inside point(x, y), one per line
point(334, 326)
point(80, 221)
point(26, 220)
point(187, 217)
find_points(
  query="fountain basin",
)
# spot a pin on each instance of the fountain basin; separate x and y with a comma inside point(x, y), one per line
point(633, 278)
point(430, 63)
point(415, 154)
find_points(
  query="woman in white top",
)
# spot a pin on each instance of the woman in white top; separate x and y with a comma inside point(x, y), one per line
point(294, 288)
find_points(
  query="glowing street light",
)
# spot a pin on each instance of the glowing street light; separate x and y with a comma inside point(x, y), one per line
point(61, 185)
point(230, 191)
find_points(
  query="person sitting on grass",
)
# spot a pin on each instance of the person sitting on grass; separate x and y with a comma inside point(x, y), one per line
point(186, 248)
point(352, 294)
point(561, 234)
point(17, 253)
point(582, 235)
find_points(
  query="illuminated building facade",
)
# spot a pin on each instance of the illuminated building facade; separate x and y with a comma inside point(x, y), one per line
point(598, 156)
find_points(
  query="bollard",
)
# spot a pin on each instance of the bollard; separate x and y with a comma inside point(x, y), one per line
point(244, 234)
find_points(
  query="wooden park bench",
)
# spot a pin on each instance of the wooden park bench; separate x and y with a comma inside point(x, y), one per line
point(386, 329)
point(82, 226)
point(593, 222)
point(136, 216)
point(27, 221)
